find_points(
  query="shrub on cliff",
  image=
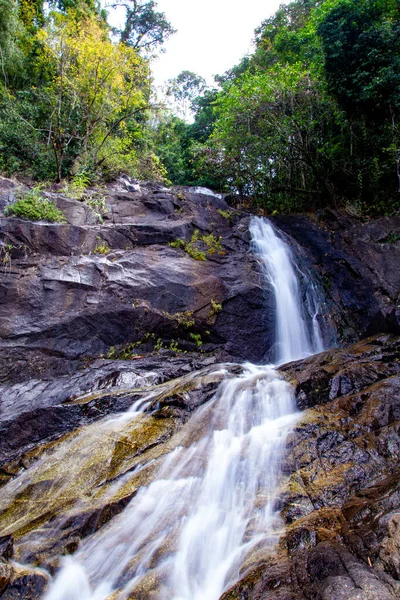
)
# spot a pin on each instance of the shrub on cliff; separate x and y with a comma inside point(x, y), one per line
point(33, 207)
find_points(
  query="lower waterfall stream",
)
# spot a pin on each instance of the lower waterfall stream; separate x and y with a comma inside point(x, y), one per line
point(211, 504)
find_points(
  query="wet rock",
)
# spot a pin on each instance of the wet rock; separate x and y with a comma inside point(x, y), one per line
point(8, 189)
point(75, 212)
point(25, 584)
point(389, 552)
point(337, 372)
point(64, 303)
point(6, 547)
point(35, 412)
point(358, 267)
point(334, 573)
point(271, 579)
point(340, 496)
point(5, 575)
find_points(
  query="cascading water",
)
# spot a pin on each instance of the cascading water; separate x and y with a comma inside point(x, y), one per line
point(211, 505)
point(297, 334)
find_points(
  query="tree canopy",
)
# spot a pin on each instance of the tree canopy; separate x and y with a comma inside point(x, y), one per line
point(72, 97)
point(311, 117)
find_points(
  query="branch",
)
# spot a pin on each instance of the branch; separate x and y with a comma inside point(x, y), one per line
point(115, 125)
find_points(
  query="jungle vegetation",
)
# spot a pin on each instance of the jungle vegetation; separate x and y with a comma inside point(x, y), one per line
point(309, 119)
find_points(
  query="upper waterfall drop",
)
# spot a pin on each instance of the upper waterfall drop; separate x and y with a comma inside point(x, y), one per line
point(297, 334)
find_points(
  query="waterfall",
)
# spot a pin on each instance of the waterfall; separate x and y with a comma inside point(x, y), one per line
point(211, 505)
point(297, 333)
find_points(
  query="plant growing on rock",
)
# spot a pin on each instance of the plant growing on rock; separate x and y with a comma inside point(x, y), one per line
point(194, 246)
point(184, 318)
point(32, 206)
point(5, 254)
point(196, 337)
point(189, 248)
point(97, 205)
point(102, 249)
point(76, 188)
point(216, 307)
point(226, 214)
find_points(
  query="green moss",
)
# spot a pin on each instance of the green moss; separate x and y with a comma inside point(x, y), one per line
point(226, 214)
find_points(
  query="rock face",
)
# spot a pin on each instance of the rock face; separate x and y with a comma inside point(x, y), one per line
point(340, 500)
point(74, 290)
point(358, 264)
point(95, 314)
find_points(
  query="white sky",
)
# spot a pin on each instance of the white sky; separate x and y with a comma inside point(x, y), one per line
point(212, 36)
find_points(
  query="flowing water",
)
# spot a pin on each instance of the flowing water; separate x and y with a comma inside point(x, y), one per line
point(211, 505)
point(297, 332)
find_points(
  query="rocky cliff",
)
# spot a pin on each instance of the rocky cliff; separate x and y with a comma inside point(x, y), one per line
point(151, 295)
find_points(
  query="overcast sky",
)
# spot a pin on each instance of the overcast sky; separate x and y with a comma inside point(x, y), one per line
point(213, 35)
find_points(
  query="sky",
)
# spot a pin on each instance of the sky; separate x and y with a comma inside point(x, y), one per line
point(213, 35)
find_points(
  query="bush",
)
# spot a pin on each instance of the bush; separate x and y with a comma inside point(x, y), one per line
point(33, 207)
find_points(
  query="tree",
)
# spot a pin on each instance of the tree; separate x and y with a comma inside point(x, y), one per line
point(144, 27)
point(184, 89)
point(361, 43)
point(98, 87)
point(84, 105)
point(10, 55)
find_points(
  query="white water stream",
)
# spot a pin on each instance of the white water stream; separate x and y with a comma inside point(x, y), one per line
point(211, 505)
point(297, 332)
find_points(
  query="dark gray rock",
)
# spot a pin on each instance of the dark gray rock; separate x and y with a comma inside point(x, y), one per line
point(358, 265)
point(76, 289)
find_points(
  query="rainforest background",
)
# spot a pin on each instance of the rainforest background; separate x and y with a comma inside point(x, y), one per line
point(309, 120)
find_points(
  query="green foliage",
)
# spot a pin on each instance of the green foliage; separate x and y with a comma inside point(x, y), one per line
point(310, 119)
point(195, 253)
point(180, 145)
point(213, 244)
point(184, 89)
point(97, 204)
point(76, 187)
point(33, 207)
point(158, 345)
point(103, 248)
point(392, 238)
point(179, 243)
point(226, 214)
point(144, 27)
point(174, 346)
point(216, 308)
point(196, 337)
point(199, 245)
point(71, 99)
point(171, 138)
point(151, 168)
point(185, 319)
point(146, 343)
point(189, 247)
